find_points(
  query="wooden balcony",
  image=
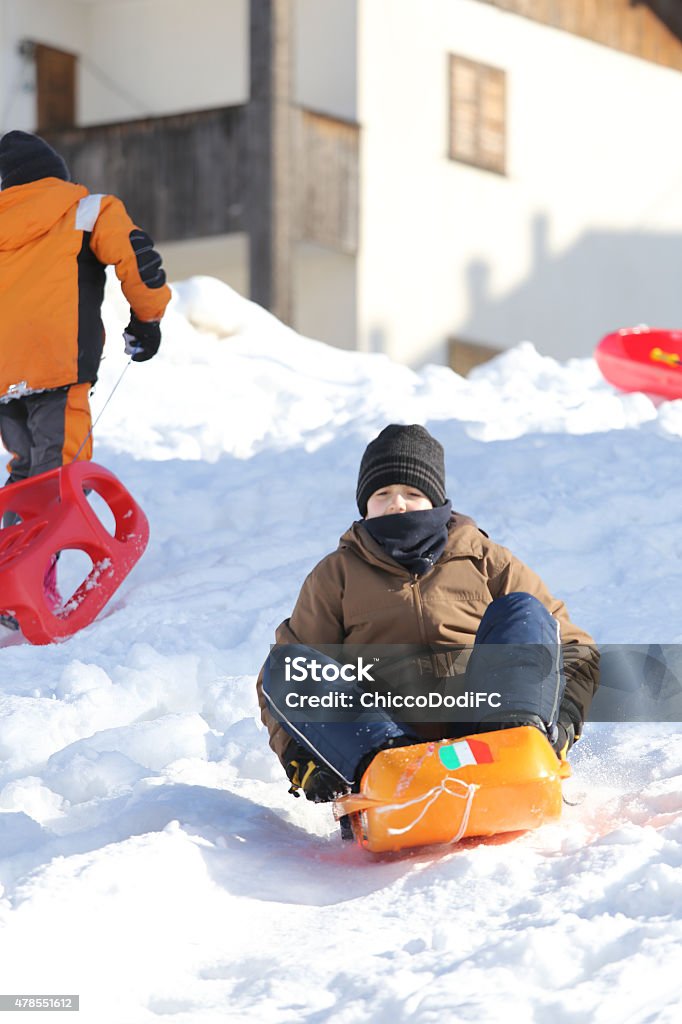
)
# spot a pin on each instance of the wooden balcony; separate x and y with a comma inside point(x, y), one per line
point(180, 177)
point(195, 174)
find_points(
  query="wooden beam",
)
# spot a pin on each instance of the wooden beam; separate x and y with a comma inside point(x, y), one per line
point(270, 205)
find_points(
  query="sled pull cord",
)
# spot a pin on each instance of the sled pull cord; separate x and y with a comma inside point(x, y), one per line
point(99, 414)
point(430, 798)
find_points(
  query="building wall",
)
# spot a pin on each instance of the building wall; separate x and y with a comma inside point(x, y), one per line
point(59, 23)
point(325, 81)
point(573, 241)
point(324, 281)
point(325, 49)
point(223, 256)
point(325, 295)
point(155, 57)
point(136, 57)
point(582, 235)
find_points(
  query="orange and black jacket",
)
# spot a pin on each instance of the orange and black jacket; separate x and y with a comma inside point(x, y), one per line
point(55, 243)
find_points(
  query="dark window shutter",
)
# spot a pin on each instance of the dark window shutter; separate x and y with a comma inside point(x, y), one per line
point(56, 88)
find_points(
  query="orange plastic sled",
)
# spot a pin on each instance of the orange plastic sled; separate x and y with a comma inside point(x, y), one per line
point(481, 785)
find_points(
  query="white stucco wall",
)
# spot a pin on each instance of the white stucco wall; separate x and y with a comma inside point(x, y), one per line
point(325, 295)
point(155, 57)
point(582, 236)
point(138, 58)
point(59, 23)
point(223, 256)
point(325, 56)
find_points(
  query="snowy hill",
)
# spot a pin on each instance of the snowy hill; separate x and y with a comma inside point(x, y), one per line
point(151, 859)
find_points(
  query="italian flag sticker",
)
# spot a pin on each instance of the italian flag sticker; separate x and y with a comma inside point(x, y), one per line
point(456, 755)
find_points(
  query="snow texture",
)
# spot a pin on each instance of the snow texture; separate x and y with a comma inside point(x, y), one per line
point(151, 859)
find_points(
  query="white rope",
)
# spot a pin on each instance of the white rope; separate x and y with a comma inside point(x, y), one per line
point(99, 414)
point(430, 797)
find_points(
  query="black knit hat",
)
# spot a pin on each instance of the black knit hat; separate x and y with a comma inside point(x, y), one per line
point(402, 455)
point(25, 157)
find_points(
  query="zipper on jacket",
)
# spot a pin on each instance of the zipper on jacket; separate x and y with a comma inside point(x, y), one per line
point(416, 594)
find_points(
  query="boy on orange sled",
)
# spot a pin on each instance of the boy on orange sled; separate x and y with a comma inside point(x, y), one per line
point(413, 572)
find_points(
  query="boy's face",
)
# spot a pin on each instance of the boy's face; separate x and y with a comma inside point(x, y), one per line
point(396, 498)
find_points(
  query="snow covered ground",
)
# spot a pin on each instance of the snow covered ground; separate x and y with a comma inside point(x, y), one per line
point(151, 859)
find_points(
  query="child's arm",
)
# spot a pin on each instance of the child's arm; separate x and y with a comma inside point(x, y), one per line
point(116, 241)
point(317, 619)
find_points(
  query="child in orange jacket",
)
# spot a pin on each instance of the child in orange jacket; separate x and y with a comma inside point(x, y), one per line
point(56, 240)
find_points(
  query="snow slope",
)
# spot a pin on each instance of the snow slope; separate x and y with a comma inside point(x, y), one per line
point(151, 859)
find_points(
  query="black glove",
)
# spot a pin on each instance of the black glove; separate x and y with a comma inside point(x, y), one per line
point(568, 728)
point(142, 338)
point(319, 783)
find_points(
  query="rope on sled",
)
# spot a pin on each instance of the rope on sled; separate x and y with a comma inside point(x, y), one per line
point(430, 797)
point(99, 415)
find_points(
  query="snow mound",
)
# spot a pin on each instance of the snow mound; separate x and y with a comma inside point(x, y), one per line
point(151, 859)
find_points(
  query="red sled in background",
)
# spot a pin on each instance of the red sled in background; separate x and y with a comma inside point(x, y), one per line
point(645, 359)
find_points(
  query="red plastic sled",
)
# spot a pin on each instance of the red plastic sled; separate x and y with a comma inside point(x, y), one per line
point(56, 516)
point(643, 359)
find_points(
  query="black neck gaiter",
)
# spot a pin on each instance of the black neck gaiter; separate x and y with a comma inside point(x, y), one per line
point(413, 539)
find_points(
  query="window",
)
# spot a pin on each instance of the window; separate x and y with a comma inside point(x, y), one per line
point(464, 355)
point(56, 88)
point(477, 114)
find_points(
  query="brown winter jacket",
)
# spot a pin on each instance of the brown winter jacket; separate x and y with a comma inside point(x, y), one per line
point(359, 595)
point(55, 242)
